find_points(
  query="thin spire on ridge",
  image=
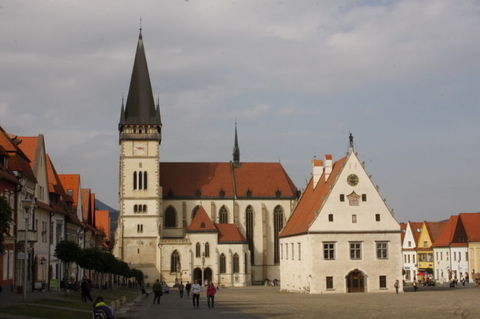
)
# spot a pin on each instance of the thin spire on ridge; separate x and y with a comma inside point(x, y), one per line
point(236, 148)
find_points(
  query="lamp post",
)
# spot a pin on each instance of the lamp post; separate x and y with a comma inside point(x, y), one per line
point(27, 204)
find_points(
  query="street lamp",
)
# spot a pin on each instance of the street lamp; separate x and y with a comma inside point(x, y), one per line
point(27, 204)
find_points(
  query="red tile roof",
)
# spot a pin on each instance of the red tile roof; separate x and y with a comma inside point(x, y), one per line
point(71, 182)
point(311, 202)
point(416, 234)
point(17, 160)
point(229, 234)
point(102, 222)
point(29, 144)
point(434, 229)
point(471, 222)
point(85, 198)
point(446, 234)
point(214, 180)
point(201, 222)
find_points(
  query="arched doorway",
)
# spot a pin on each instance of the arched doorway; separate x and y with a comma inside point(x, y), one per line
point(208, 275)
point(355, 281)
point(197, 275)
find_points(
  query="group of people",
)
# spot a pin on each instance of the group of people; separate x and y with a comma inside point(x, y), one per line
point(195, 289)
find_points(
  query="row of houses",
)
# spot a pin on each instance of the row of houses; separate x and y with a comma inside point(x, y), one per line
point(46, 208)
point(442, 251)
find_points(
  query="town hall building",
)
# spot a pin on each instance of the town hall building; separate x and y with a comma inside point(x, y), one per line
point(185, 221)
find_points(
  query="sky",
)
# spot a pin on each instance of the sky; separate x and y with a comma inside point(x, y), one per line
point(402, 76)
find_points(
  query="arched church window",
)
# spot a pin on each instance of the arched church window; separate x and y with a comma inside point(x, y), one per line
point(170, 217)
point(134, 180)
point(223, 215)
point(195, 210)
point(207, 250)
point(135, 208)
point(235, 263)
point(140, 180)
point(277, 226)
point(249, 233)
point(175, 262)
point(197, 250)
point(145, 180)
point(223, 264)
point(144, 209)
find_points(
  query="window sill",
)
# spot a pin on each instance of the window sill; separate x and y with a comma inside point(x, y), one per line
point(330, 289)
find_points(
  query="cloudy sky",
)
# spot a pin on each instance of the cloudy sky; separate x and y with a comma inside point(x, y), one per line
point(403, 76)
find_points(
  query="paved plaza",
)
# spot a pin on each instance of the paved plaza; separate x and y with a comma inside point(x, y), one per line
point(261, 302)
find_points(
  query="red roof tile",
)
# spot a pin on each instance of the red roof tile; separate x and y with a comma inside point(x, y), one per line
point(471, 222)
point(229, 234)
point(213, 180)
point(311, 202)
point(445, 236)
point(201, 222)
point(71, 182)
point(414, 226)
point(434, 229)
point(85, 198)
point(29, 144)
point(102, 222)
point(17, 160)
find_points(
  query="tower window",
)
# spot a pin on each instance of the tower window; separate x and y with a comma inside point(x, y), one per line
point(170, 217)
point(207, 250)
point(277, 226)
point(140, 179)
point(223, 215)
point(139, 228)
point(134, 180)
point(145, 180)
point(249, 232)
point(197, 250)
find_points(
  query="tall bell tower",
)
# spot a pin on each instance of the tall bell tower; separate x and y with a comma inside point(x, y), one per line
point(140, 193)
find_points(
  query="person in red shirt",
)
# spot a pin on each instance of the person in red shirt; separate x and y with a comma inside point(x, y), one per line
point(211, 291)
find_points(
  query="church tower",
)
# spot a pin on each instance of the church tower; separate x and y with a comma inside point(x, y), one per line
point(140, 193)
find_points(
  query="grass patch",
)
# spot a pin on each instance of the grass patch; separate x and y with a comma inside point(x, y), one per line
point(41, 312)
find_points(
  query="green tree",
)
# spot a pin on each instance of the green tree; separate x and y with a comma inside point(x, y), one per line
point(5, 219)
point(67, 252)
point(88, 258)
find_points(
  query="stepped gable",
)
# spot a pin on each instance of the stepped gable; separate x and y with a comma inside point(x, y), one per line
point(220, 180)
point(229, 234)
point(311, 202)
point(471, 222)
point(201, 222)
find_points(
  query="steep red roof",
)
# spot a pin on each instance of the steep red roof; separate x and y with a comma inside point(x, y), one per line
point(229, 234)
point(217, 180)
point(102, 222)
point(310, 202)
point(445, 237)
point(28, 144)
point(17, 160)
point(92, 208)
point(471, 222)
point(71, 182)
point(434, 229)
point(85, 198)
point(201, 222)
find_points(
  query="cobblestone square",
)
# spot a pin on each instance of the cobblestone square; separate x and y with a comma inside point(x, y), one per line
point(261, 302)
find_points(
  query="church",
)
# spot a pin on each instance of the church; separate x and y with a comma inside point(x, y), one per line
point(185, 221)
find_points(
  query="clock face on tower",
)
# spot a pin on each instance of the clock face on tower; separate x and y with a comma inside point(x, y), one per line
point(139, 149)
point(352, 180)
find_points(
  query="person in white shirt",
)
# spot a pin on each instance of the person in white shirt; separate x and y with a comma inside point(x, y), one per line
point(196, 294)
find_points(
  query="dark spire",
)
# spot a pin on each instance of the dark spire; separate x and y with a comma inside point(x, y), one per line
point(140, 108)
point(350, 139)
point(122, 113)
point(236, 149)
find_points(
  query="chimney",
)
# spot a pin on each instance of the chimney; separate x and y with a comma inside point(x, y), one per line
point(328, 165)
point(317, 171)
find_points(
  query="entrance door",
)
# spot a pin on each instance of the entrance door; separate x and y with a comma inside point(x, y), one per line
point(355, 281)
point(197, 275)
point(208, 275)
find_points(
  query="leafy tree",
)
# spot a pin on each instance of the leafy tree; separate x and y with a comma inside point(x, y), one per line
point(67, 252)
point(5, 219)
point(88, 258)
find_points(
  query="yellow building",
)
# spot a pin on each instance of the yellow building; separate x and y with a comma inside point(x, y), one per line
point(430, 232)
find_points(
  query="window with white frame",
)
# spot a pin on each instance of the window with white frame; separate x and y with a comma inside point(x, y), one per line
point(329, 251)
point(355, 250)
point(382, 250)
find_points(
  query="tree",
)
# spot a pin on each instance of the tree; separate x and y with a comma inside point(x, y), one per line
point(88, 258)
point(67, 252)
point(5, 219)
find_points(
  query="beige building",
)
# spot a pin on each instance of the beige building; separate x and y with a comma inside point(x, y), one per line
point(341, 236)
point(158, 202)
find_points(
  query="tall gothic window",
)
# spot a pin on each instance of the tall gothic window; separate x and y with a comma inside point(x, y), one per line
point(249, 224)
point(197, 250)
point(235, 263)
point(140, 179)
point(145, 180)
point(195, 210)
point(170, 217)
point(134, 180)
point(223, 264)
point(207, 250)
point(175, 262)
point(223, 215)
point(277, 226)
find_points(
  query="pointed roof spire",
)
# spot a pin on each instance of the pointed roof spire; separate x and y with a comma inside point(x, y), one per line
point(236, 149)
point(122, 112)
point(350, 139)
point(140, 108)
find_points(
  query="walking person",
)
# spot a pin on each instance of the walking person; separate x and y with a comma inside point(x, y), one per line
point(180, 289)
point(396, 285)
point(211, 291)
point(157, 291)
point(188, 287)
point(415, 286)
point(196, 294)
point(85, 290)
